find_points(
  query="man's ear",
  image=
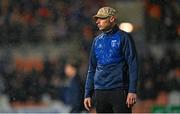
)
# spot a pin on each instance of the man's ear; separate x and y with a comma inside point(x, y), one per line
point(112, 18)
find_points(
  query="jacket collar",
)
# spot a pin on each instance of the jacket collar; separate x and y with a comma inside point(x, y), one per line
point(114, 30)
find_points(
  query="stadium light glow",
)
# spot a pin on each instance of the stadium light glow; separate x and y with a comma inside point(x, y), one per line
point(128, 27)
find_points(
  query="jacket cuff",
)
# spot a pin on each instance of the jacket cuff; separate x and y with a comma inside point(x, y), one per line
point(88, 94)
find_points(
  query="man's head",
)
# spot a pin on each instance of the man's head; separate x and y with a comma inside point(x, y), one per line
point(105, 18)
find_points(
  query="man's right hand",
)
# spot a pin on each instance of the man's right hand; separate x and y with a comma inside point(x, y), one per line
point(87, 103)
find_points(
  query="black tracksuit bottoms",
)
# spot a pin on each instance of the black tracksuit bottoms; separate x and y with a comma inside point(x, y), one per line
point(111, 101)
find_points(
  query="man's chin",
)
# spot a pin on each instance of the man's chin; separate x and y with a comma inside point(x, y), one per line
point(101, 29)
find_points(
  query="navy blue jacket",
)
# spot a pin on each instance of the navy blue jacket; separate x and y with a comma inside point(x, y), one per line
point(112, 63)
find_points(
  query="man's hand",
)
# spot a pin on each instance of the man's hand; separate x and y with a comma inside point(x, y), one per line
point(131, 99)
point(87, 103)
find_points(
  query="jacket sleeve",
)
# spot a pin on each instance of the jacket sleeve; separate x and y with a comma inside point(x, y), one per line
point(89, 86)
point(131, 59)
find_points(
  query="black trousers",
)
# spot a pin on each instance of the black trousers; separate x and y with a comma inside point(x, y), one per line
point(111, 101)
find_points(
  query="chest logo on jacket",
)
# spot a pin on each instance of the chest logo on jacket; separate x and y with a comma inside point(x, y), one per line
point(113, 43)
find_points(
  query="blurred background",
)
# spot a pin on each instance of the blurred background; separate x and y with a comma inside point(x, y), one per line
point(45, 44)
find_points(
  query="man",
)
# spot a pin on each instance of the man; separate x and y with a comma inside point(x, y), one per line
point(113, 70)
point(73, 92)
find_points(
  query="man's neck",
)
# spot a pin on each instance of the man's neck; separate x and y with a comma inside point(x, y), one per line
point(109, 29)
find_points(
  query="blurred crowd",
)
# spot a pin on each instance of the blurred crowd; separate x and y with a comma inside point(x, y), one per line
point(61, 22)
point(38, 22)
point(159, 83)
point(162, 27)
point(162, 20)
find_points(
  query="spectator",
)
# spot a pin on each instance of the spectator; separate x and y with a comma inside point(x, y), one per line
point(73, 90)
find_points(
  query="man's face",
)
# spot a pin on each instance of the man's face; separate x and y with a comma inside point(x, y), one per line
point(103, 24)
